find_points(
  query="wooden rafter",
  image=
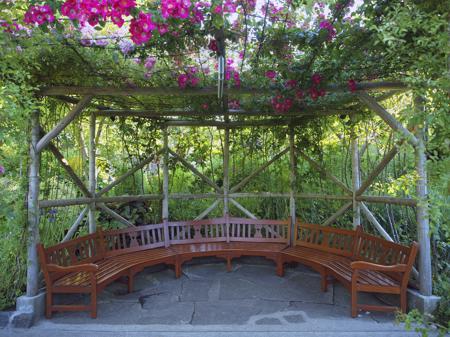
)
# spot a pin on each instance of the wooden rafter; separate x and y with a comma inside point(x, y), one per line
point(174, 91)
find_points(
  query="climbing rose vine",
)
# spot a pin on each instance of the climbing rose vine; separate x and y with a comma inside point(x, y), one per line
point(141, 28)
point(39, 15)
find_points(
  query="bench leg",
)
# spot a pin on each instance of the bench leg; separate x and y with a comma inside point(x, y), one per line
point(324, 282)
point(403, 301)
point(280, 267)
point(354, 302)
point(178, 270)
point(130, 281)
point(48, 304)
point(94, 302)
point(229, 265)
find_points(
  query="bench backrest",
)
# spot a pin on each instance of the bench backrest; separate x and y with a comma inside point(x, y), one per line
point(255, 230)
point(197, 231)
point(85, 249)
point(131, 239)
point(328, 239)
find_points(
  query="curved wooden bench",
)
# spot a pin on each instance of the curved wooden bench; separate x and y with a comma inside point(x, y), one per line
point(89, 263)
point(361, 262)
point(228, 238)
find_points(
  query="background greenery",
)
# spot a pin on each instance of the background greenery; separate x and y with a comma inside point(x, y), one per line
point(395, 40)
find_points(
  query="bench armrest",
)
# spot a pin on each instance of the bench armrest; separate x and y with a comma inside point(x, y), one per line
point(358, 265)
point(87, 267)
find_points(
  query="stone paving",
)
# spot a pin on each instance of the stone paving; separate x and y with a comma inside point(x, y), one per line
point(250, 299)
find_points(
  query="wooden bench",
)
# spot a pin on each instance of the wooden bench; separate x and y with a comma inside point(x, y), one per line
point(89, 263)
point(228, 238)
point(361, 262)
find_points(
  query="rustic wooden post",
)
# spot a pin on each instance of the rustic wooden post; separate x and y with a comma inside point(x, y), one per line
point(92, 177)
point(423, 220)
point(292, 182)
point(165, 201)
point(33, 209)
point(226, 181)
point(356, 180)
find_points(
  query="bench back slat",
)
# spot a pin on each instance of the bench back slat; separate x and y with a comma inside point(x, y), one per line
point(256, 230)
point(327, 239)
point(131, 239)
point(197, 231)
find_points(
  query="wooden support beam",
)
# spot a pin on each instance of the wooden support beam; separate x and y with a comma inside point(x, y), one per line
point(44, 141)
point(337, 214)
point(92, 173)
point(33, 209)
point(292, 182)
point(194, 113)
point(85, 201)
point(194, 170)
point(127, 174)
point(377, 170)
point(63, 162)
point(318, 167)
point(174, 91)
point(226, 177)
point(375, 222)
point(356, 180)
point(387, 117)
point(287, 195)
point(268, 122)
point(72, 230)
point(243, 209)
point(387, 200)
point(114, 215)
point(208, 210)
point(245, 181)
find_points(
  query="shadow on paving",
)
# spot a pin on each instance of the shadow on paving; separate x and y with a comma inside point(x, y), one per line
point(206, 294)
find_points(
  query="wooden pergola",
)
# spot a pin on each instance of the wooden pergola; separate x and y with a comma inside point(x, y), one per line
point(94, 199)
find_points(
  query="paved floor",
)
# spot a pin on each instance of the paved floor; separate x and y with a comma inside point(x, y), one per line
point(207, 301)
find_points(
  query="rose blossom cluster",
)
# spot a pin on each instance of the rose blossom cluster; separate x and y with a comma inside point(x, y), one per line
point(189, 78)
point(325, 24)
point(39, 15)
point(178, 9)
point(141, 28)
point(92, 11)
point(314, 92)
point(281, 104)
